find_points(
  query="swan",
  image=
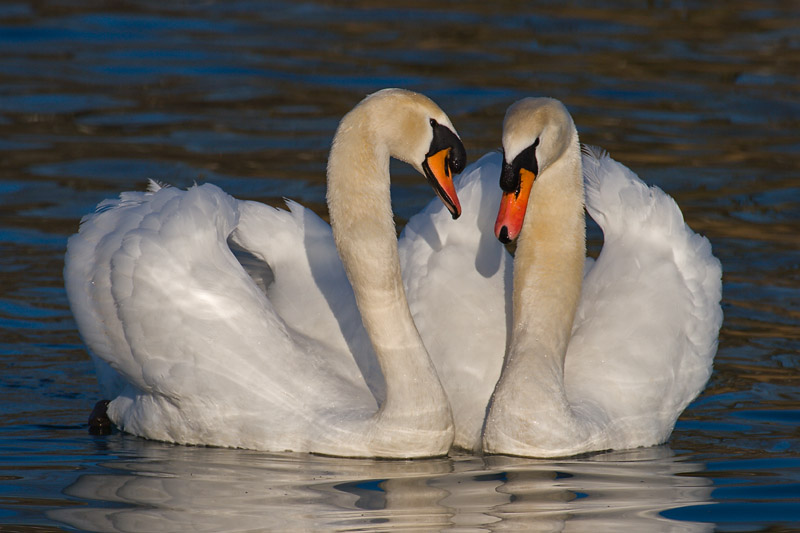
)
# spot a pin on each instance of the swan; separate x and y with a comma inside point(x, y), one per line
point(213, 321)
point(606, 354)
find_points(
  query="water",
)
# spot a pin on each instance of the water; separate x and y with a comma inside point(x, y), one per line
point(702, 99)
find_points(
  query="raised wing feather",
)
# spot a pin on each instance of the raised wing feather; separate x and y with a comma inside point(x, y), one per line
point(645, 331)
point(310, 289)
point(187, 340)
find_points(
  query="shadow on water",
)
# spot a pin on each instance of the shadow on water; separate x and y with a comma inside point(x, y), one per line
point(167, 488)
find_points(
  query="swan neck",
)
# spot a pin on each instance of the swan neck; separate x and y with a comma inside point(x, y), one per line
point(530, 413)
point(363, 227)
point(548, 264)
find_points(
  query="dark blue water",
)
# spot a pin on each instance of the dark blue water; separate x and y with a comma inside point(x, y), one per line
point(702, 99)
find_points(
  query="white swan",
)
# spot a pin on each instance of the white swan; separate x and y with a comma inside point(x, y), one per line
point(612, 359)
point(196, 351)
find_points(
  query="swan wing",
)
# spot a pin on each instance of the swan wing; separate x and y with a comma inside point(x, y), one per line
point(87, 278)
point(457, 277)
point(162, 297)
point(203, 353)
point(646, 327)
point(307, 284)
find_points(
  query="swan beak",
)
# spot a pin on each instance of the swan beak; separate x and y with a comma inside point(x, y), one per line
point(437, 170)
point(512, 208)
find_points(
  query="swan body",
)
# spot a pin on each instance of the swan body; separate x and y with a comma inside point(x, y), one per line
point(310, 346)
point(604, 355)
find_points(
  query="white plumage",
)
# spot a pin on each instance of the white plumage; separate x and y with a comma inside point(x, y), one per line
point(193, 349)
point(645, 329)
point(605, 354)
point(458, 279)
point(274, 355)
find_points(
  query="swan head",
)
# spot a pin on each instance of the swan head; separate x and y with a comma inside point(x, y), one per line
point(415, 130)
point(536, 133)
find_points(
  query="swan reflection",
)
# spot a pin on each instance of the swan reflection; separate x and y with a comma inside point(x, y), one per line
point(156, 487)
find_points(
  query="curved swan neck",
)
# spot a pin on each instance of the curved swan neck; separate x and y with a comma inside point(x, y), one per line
point(359, 204)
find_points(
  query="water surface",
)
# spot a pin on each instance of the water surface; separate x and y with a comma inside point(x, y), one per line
point(701, 99)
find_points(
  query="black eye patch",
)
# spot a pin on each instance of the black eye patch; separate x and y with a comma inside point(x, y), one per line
point(527, 159)
point(510, 175)
point(509, 180)
point(443, 138)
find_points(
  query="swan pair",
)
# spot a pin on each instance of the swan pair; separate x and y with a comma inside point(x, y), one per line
point(230, 323)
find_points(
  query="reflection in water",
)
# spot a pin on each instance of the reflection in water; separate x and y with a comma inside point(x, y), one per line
point(172, 488)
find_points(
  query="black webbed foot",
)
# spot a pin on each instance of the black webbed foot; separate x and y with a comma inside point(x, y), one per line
point(99, 423)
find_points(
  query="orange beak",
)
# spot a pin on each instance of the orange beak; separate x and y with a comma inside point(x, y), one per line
point(437, 170)
point(512, 208)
